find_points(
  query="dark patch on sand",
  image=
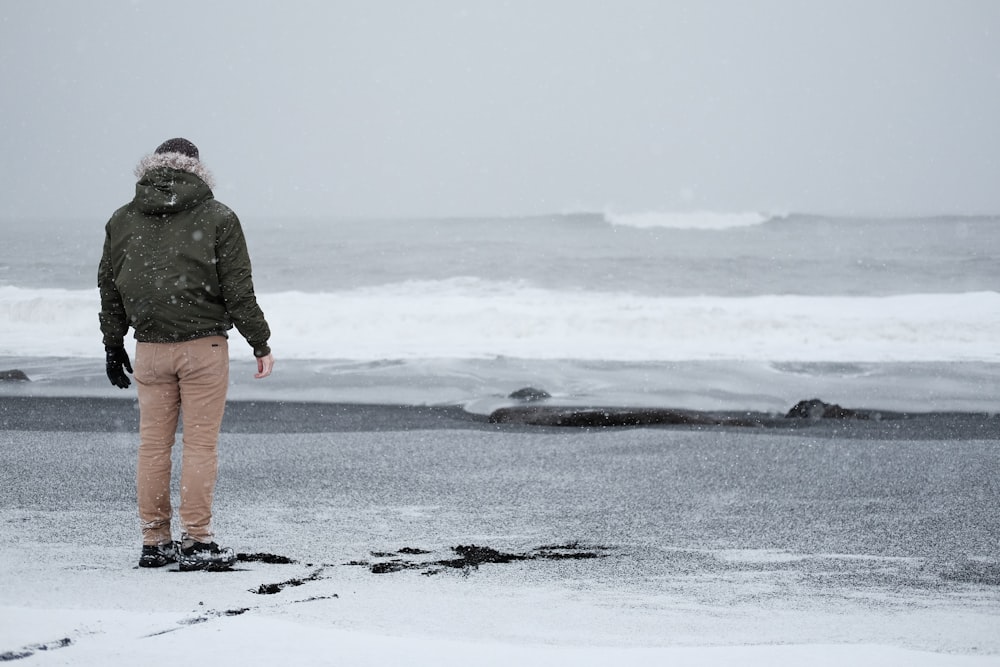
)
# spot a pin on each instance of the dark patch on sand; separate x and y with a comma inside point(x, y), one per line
point(975, 572)
point(272, 559)
point(32, 649)
point(271, 589)
point(198, 620)
point(809, 410)
point(317, 597)
point(611, 417)
point(471, 556)
point(239, 611)
point(580, 555)
point(391, 566)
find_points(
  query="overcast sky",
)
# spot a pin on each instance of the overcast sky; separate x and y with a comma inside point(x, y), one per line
point(427, 108)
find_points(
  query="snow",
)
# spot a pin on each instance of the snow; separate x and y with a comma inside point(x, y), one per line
point(117, 638)
point(354, 618)
point(70, 593)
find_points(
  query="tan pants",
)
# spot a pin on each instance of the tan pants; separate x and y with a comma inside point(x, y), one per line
point(188, 379)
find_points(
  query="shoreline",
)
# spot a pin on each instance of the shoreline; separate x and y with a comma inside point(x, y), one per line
point(81, 414)
point(482, 386)
point(870, 401)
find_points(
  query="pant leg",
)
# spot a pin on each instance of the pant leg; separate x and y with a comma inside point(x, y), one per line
point(203, 370)
point(159, 404)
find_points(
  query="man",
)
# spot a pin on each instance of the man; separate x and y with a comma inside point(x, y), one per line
point(176, 269)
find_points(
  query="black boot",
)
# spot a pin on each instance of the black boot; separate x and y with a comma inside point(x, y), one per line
point(158, 555)
point(204, 556)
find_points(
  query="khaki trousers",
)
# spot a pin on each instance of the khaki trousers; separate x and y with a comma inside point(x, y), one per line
point(188, 379)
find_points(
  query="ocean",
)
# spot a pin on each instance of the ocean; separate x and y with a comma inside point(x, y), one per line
point(694, 310)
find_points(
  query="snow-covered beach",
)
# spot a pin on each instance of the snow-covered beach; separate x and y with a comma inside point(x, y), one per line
point(635, 546)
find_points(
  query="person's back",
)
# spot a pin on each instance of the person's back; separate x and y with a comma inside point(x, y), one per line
point(175, 268)
point(177, 258)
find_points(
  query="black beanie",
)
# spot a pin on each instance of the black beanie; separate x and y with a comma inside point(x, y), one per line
point(178, 145)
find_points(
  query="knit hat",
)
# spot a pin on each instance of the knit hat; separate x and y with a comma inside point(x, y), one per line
point(178, 145)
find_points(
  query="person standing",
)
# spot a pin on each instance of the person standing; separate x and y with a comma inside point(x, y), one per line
point(175, 268)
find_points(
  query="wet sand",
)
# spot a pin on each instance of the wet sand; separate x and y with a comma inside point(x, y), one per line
point(98, 414)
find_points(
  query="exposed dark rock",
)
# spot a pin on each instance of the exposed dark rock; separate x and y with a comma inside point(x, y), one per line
point(14, 375)
point(608, 417)
point(817, 409)
point(529, 394)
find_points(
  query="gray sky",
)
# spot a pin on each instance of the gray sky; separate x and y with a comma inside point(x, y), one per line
point(398, 108)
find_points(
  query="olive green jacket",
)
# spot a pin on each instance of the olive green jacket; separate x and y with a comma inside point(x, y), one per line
point(175, 265)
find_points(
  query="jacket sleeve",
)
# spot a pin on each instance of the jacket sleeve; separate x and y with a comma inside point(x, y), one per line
point(114, 321)
point(236, 281)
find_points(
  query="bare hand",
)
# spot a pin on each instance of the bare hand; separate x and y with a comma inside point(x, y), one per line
point(264, 366)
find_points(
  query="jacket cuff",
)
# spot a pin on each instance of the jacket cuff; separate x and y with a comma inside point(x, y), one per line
point(261, 350)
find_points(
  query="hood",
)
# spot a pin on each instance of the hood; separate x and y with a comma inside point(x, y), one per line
point(170, 183)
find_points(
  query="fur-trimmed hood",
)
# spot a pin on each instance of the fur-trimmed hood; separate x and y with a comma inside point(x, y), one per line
point(177, 161)
point(169, 183)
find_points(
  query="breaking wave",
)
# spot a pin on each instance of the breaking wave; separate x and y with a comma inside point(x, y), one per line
point(464, 318)
point(701, 220)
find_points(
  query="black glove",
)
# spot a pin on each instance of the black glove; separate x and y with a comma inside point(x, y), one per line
point(116, 361)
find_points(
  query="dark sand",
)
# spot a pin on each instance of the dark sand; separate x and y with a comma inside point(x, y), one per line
point(95, 414)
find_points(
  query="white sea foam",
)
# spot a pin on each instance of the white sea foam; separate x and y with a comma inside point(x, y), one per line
point(464, 318)
point(704, 220)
